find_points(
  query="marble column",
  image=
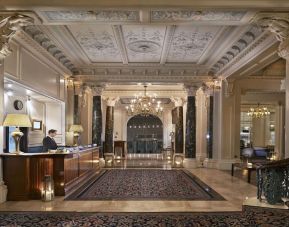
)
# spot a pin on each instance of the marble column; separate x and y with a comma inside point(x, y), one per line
point(177, 115)
point(86, 114)
point(69, 104)
point(190, 148)
point(210, 132)
point(109, 122)
point(76, 110)
point(9, 24)
point(96, 120)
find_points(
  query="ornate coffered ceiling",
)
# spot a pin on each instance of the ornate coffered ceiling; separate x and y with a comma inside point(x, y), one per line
point(148, 44)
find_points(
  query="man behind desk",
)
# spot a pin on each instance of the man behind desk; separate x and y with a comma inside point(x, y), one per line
point(49, 142)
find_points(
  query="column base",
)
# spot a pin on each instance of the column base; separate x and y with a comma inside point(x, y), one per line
point(190, 163)
point(3, 192)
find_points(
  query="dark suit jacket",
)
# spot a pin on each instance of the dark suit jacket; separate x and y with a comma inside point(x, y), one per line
point(49, 144)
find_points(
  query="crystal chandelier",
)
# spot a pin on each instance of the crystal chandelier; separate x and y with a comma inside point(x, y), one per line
point(144, 105)
point(258, 112)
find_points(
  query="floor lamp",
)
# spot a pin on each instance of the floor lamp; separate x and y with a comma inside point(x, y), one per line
point(17, 120)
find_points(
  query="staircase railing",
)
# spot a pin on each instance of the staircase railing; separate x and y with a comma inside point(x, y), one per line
point(273, 181)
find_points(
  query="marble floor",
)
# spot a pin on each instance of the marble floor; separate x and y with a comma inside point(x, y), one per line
point(233, 189)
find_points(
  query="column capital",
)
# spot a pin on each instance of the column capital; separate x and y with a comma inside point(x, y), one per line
point(97, 90)
point(9, 25)
point(178, 101)
point(111, 101)
point(278, 24)
point(191, 89)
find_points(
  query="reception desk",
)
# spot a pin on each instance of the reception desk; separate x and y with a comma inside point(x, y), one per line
point(23, 173)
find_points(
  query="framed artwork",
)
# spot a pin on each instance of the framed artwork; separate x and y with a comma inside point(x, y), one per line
point(36, 125)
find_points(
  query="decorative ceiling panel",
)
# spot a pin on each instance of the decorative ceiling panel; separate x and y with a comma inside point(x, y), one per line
point(97, 41)
point(189, 42)
point(164, 15)
point(144, 43)
point(91, 16)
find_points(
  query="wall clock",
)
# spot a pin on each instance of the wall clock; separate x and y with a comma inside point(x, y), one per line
point(18, 104)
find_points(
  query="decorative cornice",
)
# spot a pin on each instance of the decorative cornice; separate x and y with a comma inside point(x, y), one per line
point(237, 48)
point(122, 77)
point(9, 25)
point(92, 16)
point(43, 40)
point(24, 39)
point(262, 43)
point(278, 24)
point(275, 22)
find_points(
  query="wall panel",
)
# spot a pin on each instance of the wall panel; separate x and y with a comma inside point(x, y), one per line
point(38, 75)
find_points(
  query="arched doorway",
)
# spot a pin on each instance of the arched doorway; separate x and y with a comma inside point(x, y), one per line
point(144, 135)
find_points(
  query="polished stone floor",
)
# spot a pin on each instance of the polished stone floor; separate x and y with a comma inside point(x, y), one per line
point(233, 189)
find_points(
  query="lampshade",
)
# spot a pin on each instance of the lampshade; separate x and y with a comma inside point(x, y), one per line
point(18, 120)
point(76, 128)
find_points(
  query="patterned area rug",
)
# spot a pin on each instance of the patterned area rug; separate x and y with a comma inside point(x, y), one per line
point(251, 217)
point(146, 184)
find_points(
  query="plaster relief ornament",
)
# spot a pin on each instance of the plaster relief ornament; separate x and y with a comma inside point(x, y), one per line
point(94, 15)
point(9, 25)
point(143, 46)
point(278, 26)
point(195, 15)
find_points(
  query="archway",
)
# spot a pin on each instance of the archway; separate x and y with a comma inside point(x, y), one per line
point(144, 135)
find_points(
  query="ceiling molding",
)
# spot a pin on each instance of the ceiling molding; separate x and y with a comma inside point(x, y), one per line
point(62, 37)
point(263, 42)
point(26, 41)
point(119, 77)
point(117, 29)
point(88, 4)
point(137, 15)
point(43, 40)
point(244, 40)
point(167, 43)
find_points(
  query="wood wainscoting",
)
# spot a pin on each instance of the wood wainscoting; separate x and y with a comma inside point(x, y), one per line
point(23, 174)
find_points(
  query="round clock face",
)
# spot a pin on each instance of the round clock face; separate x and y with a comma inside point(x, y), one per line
point(18, 105)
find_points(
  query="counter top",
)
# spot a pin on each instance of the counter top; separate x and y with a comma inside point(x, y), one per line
point(49, 153)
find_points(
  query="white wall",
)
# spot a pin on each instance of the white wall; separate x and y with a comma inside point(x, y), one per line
point(55, 120)
point(36, 111)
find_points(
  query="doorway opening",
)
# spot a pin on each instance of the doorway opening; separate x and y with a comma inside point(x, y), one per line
point(144, 135)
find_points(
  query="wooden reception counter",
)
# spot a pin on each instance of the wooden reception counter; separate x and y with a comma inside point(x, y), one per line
point(23, 174)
